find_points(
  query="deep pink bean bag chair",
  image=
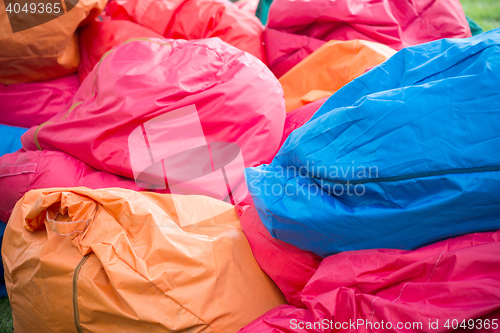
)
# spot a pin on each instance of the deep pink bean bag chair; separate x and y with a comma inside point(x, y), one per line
point(195, 19)
point(295, 28)
point(30, 104)
point(458, 278)
point(23, 171)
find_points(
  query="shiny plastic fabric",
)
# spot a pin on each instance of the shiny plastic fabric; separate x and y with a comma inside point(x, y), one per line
point(30, 104)
point(296, 28)
point(23, 171)
point(195, 19)
point(401, 157)
point(98, 37)
point(455, 279)
point(11, 139)
point(329, 68)
point(145, 78)
point(45, 51)
point(116, 260)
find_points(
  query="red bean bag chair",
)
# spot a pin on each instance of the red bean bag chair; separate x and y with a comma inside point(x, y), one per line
point(23, 171)
point(30, 104)
point(296, 28)
point(195, 19)
point(99, 37)
point(236, 101)
point(456, 279)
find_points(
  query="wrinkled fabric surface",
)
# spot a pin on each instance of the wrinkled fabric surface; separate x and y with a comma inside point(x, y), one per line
point(143, 79)
point(45, 51)
point(30, 104)
point(296, 28)
point(11, 139)
point(195, 19)
point(329, 68)
point(401, 157)
point(114, 260)
point(458, 278)
point(98, 37)
point(23, 171)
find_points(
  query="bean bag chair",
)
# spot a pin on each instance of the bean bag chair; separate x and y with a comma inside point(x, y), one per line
point(262, 10)
point(30, 104)
point(116, 260)
point(296, 28)
point(195, 19)
point(98, 37)
point(289, 267)
point(151, 99)
point(475, 28)
point(23, 171)
point(401, 157)
point(43, 46)
point(433, 289)
point(329, 68)
point(11, 139)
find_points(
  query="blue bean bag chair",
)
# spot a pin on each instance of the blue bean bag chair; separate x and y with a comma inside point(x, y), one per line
point(10, 139)
point(406, 155)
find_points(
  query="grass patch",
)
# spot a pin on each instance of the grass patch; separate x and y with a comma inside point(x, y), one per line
point(6, 325)
point(486, 13)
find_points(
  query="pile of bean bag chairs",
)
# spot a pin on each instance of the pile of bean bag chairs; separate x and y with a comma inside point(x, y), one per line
point(175, 165)
point(295, 28)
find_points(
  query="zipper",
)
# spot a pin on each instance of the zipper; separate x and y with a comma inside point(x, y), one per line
point(75, 292)
point(416, 175)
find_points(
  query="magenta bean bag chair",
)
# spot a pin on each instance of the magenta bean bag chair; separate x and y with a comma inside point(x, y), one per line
point(296, 28)
point(30, 104)
point(458, 278)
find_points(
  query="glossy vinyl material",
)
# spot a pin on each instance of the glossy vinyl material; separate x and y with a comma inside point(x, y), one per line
point(329, 68)
point(30, 104)
point(45, 51)
point(458, 278)
point(146, 78)
point(195, 19)
point(98, 37)
point(401, 157)
point(115, 260)
point(295, 28)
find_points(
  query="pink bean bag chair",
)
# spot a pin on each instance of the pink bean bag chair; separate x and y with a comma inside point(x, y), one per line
point(156, 105)
point(458, 278)
point(195, 19)
point(30, 104)
point(296, 28)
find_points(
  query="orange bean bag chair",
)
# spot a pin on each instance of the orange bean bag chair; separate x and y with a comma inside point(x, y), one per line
point(116, 260)
point(329, 68)
point(46, 51)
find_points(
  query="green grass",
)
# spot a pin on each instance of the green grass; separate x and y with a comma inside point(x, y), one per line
point(486, 13)
point(5, 316)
